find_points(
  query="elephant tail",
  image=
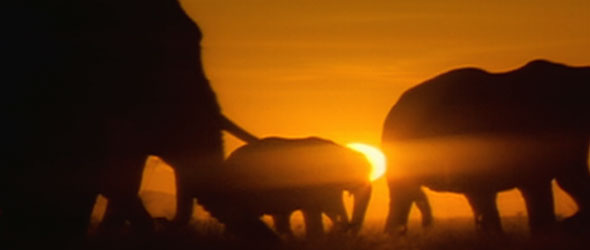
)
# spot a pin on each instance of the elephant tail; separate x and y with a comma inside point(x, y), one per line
point(237, 131)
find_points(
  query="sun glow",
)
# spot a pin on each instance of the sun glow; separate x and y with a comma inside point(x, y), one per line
point(375, 157)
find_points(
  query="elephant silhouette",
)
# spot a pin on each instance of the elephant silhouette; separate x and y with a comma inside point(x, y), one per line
point(97, 86)
point(277, 176)
point(478, 133)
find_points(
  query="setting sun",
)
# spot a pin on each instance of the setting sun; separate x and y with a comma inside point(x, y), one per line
point(375, 157)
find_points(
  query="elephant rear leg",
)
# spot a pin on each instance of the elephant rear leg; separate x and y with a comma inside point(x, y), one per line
point(337, 214)
point(282, 224)
point(244, 225)
point(122, 209)
point(485, 212)
point(400, 203)
point(184, 197)
point(314, 227)
point(193, 173)
point(539, 203)
point(423, 205)
point(577, 184)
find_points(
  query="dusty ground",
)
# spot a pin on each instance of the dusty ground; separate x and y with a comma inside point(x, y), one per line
point(455, 233)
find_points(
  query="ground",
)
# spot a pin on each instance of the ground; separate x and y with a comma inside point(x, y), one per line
point(451, 233)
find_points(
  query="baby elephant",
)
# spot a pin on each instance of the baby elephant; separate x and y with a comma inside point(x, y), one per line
point(277, 176)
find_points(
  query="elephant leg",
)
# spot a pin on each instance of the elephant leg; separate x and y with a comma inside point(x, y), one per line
point(576, 183)
point(49, 206)
point(123, 182)
point(485, 211)
point(139, 216)
point(184, 197)
point(282, 224)
point(119, 210)
point(251, 228)
point(69, 220)
point(539, 203)
point(193, 169)
point(47, 221)
point(362, 196)
point(400, 203)
point(245, 225)
point(67, 198)
point(189, 167)
point(336, 211)
point(578, 187)
point(423, 205)
point(314, 227)
point(114, 218)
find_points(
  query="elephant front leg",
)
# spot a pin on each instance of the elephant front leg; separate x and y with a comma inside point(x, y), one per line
point(576, 182)
point(282, 224)
point(485, 211)
point(121, 187)
point(337, 214)
point(401, 197)
point(184, 198)
point(539, 204)
point(423, 205)
point(314, 227)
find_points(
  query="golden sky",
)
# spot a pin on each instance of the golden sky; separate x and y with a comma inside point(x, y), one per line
point(334, 68)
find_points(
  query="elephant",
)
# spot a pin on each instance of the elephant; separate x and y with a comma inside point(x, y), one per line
point(96, 87)
point(477, 133)
point(277, 176)
point(127, 207)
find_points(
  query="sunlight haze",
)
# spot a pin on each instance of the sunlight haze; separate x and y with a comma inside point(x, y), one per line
point(374, 156)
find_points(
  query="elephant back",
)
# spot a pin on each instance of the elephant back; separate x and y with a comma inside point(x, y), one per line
point(539, 98)
point(274, 163)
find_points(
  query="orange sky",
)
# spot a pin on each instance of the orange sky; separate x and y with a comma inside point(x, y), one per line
point(334, 68)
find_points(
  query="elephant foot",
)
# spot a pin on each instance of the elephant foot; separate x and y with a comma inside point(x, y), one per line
point(576, 224)
point(397, 231)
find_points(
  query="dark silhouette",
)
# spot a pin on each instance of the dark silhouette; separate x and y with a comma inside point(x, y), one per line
point(277, 176)
point(127, 207)
point(96, 87)
point(478, 133)
point(419, 198)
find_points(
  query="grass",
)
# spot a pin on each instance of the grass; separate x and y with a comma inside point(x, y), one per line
point(453, 233)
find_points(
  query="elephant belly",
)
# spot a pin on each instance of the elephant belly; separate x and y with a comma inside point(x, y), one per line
point(496, 162)
point(286, 200)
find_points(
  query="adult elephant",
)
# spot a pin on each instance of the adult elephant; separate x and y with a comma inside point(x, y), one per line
point(277, 176)
point(147, 57)
point(478, 133)
point(99, 85)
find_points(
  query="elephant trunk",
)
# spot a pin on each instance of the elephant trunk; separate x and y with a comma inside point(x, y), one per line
point(362, 195)
point(237, 131)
